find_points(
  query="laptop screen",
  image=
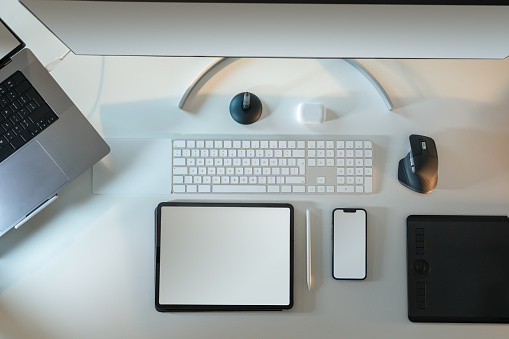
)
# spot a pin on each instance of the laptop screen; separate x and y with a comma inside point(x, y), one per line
point(10, 44)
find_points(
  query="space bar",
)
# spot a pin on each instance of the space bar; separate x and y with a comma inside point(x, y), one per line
point(239, 189)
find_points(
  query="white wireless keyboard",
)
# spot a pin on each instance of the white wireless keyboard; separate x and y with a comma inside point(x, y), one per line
point(266, 164)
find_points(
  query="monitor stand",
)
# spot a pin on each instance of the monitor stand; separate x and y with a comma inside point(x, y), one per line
point(354, 63)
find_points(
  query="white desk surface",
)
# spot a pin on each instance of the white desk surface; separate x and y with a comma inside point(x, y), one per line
point(83, 268)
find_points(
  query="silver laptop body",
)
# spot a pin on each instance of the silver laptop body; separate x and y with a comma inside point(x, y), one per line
point(32, 176)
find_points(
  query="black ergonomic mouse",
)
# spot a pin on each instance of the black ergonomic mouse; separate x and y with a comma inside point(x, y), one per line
point(245, 108)
point(419, 169)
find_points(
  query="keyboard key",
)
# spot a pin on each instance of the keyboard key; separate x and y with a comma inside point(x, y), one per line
point(179, 188)
point(23, 87)
point(180, 170)
point(345, 189)
point(179, 161)
point(18, 77)
point(299, 153)
point(368, 184)
point(9, 135)
point(204, 188)
point(4, 101)
point(178, 179)
point(273, 189)
point(239, 188)
point(38, 113)
point(298, 189)
point(179, 144)
point(17, 142)
point(295, 180)
point(5, 152)
point(286, 189)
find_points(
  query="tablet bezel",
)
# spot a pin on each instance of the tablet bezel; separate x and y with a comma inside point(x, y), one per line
point(222, 307)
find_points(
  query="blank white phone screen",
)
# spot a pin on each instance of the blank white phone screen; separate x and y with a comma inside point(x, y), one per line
point(349, 244)
point(225, 255)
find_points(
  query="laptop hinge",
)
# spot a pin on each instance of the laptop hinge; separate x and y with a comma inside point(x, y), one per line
point(5, 63)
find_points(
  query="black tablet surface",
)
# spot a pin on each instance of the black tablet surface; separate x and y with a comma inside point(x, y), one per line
point(223, 256)
point(458, 269)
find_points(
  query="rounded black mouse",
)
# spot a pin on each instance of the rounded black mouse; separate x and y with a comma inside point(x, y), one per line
point(245, 108)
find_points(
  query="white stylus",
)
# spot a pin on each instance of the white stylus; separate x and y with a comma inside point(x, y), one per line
point(308, 249)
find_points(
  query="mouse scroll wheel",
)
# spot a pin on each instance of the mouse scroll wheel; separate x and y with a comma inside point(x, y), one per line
point(412, 164)
point(246, 103)
point(423, 145)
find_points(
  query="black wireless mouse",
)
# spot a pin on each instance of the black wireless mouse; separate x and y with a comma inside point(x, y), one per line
point(419, 169)
point(245, 108)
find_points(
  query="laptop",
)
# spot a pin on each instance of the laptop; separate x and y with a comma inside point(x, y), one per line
point(45, 141)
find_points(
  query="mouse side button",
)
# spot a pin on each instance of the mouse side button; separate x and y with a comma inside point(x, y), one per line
point(432, 148)
point(415, 144)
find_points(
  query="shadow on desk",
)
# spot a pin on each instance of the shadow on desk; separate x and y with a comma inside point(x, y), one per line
point(32, 246)
point(470, 157)
point(14, 326)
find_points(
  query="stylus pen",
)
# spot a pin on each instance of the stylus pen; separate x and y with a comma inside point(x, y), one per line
point(308, 249)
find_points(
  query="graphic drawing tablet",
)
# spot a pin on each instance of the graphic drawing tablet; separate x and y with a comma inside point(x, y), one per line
point(224, 256)
point(458, 269)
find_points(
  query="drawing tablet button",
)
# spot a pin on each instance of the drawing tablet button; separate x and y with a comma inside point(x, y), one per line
point(420, 268)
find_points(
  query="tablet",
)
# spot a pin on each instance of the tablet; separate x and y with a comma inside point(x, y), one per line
point(223, 256)
point(457, 268)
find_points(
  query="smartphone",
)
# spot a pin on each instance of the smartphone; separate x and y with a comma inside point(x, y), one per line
point(349, 230)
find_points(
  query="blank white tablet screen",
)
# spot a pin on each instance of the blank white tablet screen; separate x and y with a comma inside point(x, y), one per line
point(224, 255)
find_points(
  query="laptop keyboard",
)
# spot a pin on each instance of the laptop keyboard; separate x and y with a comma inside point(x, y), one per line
point(23, 114)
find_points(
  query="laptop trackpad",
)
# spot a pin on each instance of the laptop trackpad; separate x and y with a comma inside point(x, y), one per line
point(29, 177)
